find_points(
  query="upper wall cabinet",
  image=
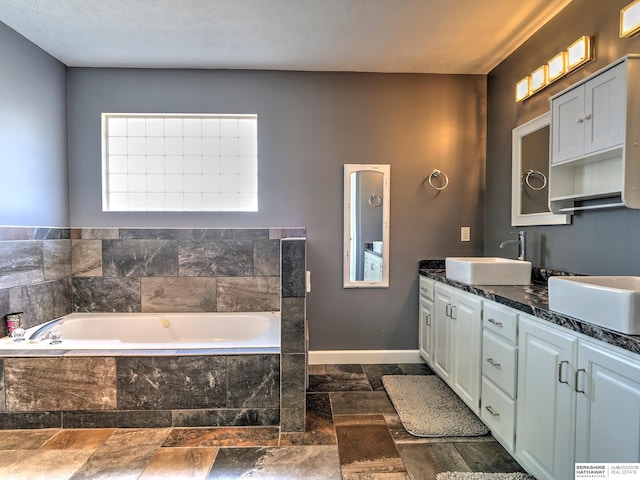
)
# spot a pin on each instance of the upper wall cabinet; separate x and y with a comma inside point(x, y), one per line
point(594, 140)
point(589, 117)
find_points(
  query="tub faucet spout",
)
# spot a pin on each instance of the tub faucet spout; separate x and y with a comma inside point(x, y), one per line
point(41, 333)
point(521, 242)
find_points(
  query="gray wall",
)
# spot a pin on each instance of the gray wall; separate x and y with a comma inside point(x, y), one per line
point(597, 242)
point(33, 135)
point(310, 124)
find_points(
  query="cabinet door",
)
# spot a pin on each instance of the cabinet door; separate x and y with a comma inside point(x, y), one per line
point(567, 125)
point(442, 325)
point(466, 345)
point(426, 330)
point(608, 406)
point(546, 401)
point(604, 107)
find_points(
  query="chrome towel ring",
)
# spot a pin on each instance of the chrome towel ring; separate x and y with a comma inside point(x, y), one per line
point(436, 173)
point(375, 200)
point(532, 174)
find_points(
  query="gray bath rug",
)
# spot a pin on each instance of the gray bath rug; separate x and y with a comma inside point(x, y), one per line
point(427, 407)
point(483, 476)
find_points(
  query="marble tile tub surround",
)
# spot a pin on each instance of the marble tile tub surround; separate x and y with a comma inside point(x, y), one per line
point(177, 270)
point(141, 391)
point(50, 272)
point(533, 299)
point(35, 273)
point(293, 342)
point(126, 270)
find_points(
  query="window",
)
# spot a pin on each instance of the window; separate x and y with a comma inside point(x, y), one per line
point(174, 163)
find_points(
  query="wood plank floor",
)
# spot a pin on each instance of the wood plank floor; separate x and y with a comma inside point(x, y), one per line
point(352, 433)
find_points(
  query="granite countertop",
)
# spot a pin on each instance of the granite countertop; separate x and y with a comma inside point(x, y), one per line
point(532, 299)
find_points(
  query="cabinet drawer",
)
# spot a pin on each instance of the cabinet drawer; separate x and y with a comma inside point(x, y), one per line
point(498, 412)
point(426, 287)
point(499, 363)
point(501, 320)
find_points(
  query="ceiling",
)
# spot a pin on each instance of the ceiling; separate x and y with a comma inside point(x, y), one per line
point(421, 36)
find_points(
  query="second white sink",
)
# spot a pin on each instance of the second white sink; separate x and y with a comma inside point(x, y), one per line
point(488, 270)
point(608, 301)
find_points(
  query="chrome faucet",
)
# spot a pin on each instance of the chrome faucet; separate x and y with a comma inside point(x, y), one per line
point(521, 242)
point(44, 331)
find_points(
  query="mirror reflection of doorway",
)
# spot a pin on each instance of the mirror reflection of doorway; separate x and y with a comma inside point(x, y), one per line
point(366, 225)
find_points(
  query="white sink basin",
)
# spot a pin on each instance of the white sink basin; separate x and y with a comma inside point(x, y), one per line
point(611, 302)
point(488, 270)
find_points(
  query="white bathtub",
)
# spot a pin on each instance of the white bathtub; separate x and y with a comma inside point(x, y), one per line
point(158, 331)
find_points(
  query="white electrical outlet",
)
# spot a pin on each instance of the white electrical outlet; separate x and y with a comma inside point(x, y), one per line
point(465, 234)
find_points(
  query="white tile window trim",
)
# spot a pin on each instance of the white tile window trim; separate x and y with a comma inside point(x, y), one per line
point(179, 162)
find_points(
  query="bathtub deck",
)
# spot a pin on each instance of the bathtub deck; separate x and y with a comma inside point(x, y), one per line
point(351, 427)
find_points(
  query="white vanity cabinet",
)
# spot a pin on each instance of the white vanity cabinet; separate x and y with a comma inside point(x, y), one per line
point(607, 384)
point(551, 396)
point(457, 330)
point(546, 413)
point(372, 267)
point(499, 371)
point(578, 401)
point(467, 344)
point(594, 139)
point(425, 329)
point(442, 331)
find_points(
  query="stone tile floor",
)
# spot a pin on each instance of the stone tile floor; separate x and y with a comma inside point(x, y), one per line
point(353, 433)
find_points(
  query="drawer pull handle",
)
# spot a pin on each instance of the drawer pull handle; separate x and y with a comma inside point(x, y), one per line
point(576, 379)
point(560, 372)
point(490, 409)
point(427, 319)
point(492, 362)
point(496, 323)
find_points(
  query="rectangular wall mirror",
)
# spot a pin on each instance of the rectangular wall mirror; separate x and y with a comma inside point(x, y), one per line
point(366, 226)
point(530, 173)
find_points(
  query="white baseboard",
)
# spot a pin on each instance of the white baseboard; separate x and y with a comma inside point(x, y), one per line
point(329, 357)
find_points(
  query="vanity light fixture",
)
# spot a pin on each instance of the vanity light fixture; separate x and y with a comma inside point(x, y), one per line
point(579, 53)
point(522, 89)
point(538, 79)
point(562, 63)
point(556, 67)
point(630, 19)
